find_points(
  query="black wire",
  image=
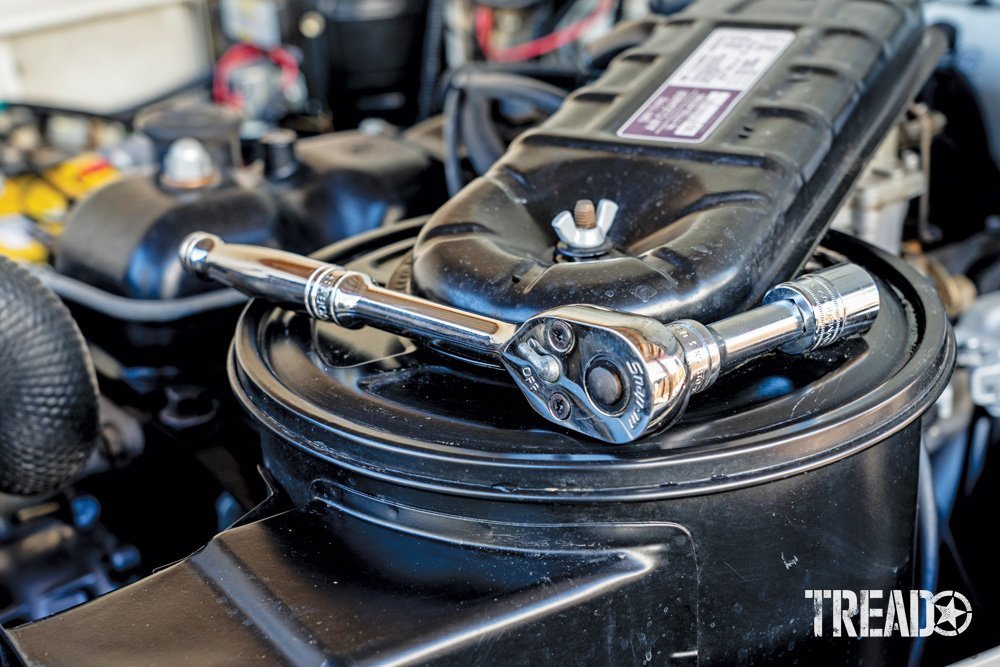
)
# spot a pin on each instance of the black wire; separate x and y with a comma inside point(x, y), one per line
point(557, 16)
point(479, 133)
point(501, 85)
point(559, 76)
point(469, 93)
point(482, 141)
point(431, 64)
point(452, 126)
point(619, 12)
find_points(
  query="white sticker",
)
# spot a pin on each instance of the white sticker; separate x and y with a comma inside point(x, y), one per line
point(706, 87)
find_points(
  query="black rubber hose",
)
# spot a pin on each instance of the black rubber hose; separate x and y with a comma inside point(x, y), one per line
point(502, 85)
point(482, 142)
point(467, 115)
point(430, 66)
point(48, 395)
point(451, 130)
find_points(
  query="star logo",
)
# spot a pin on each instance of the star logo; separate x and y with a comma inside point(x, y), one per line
point(957, 613)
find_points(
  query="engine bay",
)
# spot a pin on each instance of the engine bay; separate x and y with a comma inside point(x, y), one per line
point(499, 332)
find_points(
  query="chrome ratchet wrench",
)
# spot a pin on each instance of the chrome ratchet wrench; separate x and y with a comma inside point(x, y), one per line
point(610, 375)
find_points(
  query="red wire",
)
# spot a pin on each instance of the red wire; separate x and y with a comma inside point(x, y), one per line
point(240, 54)
point(483, 23)
point(96, 166)
point(289, 67)
point(236, 55)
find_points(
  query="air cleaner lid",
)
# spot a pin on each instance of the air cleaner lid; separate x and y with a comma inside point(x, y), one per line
point(381, 406)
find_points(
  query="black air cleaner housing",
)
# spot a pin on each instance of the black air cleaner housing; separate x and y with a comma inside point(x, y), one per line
point(793, 473)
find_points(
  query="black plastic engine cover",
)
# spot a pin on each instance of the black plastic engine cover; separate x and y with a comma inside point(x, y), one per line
point(351, 182)
point(708, 220)
point(124, 237)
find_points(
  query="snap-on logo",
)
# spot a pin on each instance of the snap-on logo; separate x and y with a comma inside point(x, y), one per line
point(634, 417)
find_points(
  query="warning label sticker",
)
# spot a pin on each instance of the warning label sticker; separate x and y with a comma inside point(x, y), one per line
point(701, 93)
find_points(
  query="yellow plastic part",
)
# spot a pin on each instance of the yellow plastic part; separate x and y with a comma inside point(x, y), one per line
point(45, 200)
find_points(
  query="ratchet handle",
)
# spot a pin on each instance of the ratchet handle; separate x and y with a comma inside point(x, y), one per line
point(292, 281)
point(345, 297)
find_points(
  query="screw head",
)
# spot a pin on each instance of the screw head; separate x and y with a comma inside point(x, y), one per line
point(560, 336)
point(559, 406)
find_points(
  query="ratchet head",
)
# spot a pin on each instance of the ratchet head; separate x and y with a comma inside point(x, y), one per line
point(609, 375)
point(615, 376)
